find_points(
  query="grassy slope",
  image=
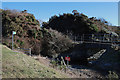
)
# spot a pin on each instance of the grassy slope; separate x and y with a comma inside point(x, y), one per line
point(18, 65)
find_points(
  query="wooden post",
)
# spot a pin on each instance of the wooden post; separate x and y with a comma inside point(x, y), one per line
point(83, 37)
point(92, 37)
point(103, 37)
point(109, 37)
point(30, 51)
point(12, 40)
point(63, 60)
point(67, 63)
point(75, 38)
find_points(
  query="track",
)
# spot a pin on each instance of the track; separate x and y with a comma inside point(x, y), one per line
point(85, 72)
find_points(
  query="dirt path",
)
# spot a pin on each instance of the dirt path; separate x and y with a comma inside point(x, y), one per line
point(86, 73)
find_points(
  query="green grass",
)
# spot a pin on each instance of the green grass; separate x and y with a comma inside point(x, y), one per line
point(18, 65)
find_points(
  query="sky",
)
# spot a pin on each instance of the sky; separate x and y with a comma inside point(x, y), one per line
point(60, 0)
point(44, 10)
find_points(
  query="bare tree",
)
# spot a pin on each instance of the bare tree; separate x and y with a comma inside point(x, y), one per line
point(75, 12)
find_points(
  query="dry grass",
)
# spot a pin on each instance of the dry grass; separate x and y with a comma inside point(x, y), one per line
point(18, 65)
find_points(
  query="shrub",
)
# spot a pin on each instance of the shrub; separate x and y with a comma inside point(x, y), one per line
point(18, 41)
point(10, 45)
point(54, 43)
point(54, 63)
point(36, 49)
point(16, 46)
point(35, 33)
point(93, 28)
point(21, 43)
point(5, 43)
point(112, 76)
point(58, 64)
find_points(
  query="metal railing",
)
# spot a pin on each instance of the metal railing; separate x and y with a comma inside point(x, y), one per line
point(97, 38)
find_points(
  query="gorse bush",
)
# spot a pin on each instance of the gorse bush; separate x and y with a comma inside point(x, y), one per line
point(13, 20)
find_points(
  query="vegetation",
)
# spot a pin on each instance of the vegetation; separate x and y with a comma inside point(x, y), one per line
point(78, 24)
point(112, 75)
point(75, 23)
point(51, 39)
point(43, 41)
point(60, 65)
point(54, 43)
point(18, 65)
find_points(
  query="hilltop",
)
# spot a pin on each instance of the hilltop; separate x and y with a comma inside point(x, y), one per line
point(77, 24)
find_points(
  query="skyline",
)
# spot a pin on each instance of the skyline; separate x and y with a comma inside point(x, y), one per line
point(44, 10)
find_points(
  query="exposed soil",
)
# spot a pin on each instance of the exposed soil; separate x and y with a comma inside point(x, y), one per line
point(75, 71)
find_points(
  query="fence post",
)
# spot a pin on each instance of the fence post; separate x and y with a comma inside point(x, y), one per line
point(83, 37)
point(92, 37)
point(63, 60)
point(30, 51)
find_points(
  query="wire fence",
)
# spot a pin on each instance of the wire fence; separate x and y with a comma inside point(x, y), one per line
point(26, 51)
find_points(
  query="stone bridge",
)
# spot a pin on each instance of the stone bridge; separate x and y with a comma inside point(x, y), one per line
point(83, 50)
